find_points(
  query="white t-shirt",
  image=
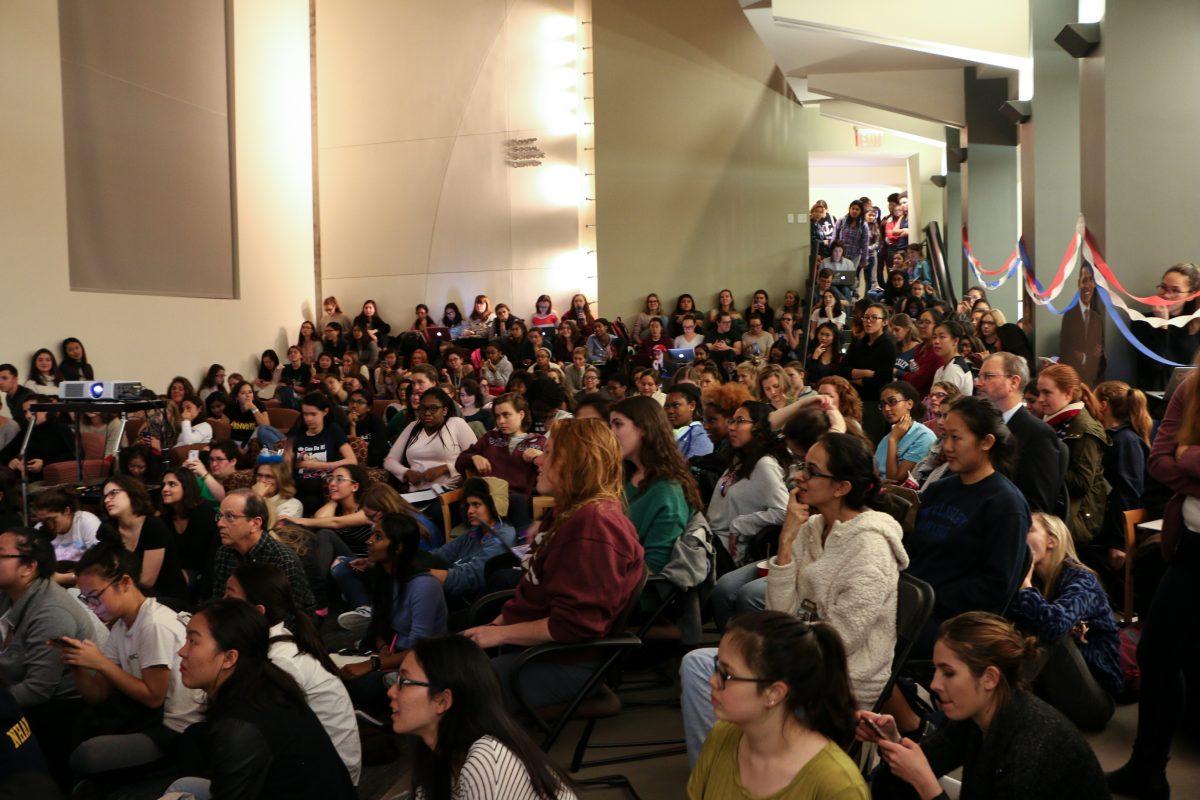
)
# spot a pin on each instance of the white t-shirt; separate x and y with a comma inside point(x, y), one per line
point(71, 545)
point(326, 695)
point(684, 343)
point(154, 641)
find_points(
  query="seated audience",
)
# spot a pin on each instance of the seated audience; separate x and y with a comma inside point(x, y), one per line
point(133, 677)
point(71, 529)
point(426, 450)
point(839, 561)
point(51, 441)
point(1070, 408)
point(38, 612)
point(221, 468)
point(248, 419)
point(993, 721)
point(274, 484)
point(868, 365)
point(660, 491)
point(333, 313)
point(75, 365)
point(192, 431)
point(683, 411)
point(757, 340)
point(508, 452)
point(934, 467)
point(487, 535)
point(1068, 611)
point(474, 405)
point(259, 738)
point(318, 447)
point(584, 568)
point(242, 522)
point(751, 493)
point(1122, 411)
point(191, 519)
point(407, 605)
point(782, 697)
point(44, 375)
point(297, 649)
point(774, 387)
point(157, 550)
point(908, 441)
point(446, 697)
point(366, 426)
point(969, 542)
point(953, 368)
point(825, 357)
point(641, 323)
point(1038, 473)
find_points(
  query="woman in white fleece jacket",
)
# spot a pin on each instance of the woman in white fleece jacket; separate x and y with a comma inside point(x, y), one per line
point(839, 561)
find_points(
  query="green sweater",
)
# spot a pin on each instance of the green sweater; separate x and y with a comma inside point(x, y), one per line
point(660, 513)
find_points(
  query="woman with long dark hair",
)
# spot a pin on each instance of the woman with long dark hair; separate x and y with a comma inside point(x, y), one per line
point(825, 354)
point(191, 518)
point(267, 378)
point(309, 342)
point(425, 451)
point(44, 375)
point(785, 710)
point(296, 648)
point(1007, 741)
point(131, 514)
point(869, 364)
point(259, 737)
point(446, 696)
point(659, 488)
point(751, 494)
point(75, 365)
point(407, 605)
point(370, 321)
point(1173, 342)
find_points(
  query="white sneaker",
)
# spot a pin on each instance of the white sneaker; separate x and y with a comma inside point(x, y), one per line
point(356, 621)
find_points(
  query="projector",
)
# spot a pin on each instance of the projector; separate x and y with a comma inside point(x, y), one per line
point(100, 390)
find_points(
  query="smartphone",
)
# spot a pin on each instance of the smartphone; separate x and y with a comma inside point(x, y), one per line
point(879, 731)
point(193, 455)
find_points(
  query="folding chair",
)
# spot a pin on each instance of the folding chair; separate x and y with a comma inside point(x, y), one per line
point(1132, 520)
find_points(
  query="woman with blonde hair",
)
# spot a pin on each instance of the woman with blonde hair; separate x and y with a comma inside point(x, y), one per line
point(274, 484)
point(774, 387)
point(989, 329)
point(845, 396)
point(1062, 603)
point(584, 566)
point(333, 313)
point(747, 375)
point(1068, 406)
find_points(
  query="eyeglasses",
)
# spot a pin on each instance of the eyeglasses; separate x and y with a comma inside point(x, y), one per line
point(393, 679)
point(889, 402)
point(938, 395)
point(229, 516)
point(990, 375)
point(357, 401)
point(338, 479)
point(1168, 289)
point(723, 676)
point(809, 471)
point(740, 421)
point(872, 317)
point(92, 599)
point(431, 409)
point(112, 493)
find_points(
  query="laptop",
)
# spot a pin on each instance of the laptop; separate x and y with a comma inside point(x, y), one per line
point(436, 336)
point(845, 278)
point(675, 358)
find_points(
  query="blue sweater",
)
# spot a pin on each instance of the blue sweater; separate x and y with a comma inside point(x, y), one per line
point(1078, 597)
point(969, 543)
point(418, 610)
point(468, 555)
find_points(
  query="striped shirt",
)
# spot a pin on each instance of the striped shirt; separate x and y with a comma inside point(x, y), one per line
point(493, 772)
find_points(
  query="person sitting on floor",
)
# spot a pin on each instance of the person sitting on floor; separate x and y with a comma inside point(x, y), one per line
point(1068, 611)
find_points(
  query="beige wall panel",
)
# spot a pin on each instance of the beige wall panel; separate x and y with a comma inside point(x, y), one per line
point(471, 231)
point(378, 206)
point(399, 69)
point(187, 34)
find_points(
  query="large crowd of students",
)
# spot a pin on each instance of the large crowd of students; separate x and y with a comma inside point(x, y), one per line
point(238, 517)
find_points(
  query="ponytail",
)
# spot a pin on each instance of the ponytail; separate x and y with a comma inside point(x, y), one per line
point(1127, 405)
point(981, 640)
point(809, 659)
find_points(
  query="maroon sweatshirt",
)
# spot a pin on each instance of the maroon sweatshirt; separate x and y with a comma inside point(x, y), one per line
point(512, 467)
point(583, 577)
point(922, 377)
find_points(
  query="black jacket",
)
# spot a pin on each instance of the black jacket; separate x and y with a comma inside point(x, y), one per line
point(279, 751)
point(1030, 751)
point(1038, 473)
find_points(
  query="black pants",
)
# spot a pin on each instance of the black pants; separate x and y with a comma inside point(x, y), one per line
point(53, 723)
point(1169, 638)
point(326, 544)
point(1065, 682)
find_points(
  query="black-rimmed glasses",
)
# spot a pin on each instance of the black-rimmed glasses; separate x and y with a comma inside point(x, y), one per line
point(394, 679)
point(724, 676)
point(807, 472)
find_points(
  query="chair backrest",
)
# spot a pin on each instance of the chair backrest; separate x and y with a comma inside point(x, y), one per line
point(222, 431)
point(540, 505)
point(179, 453)
point(93, 444)
point(447, 502)
point(66, 472)
point(282, 419)
point(134, 427)
point(914, 606)
point(911, 502)
point(380, 406)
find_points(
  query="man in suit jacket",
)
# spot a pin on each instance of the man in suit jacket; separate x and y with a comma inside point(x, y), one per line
point(1041, 458)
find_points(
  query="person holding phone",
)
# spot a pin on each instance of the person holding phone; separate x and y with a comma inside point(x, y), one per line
point(1007, 742)
point(134, 676)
